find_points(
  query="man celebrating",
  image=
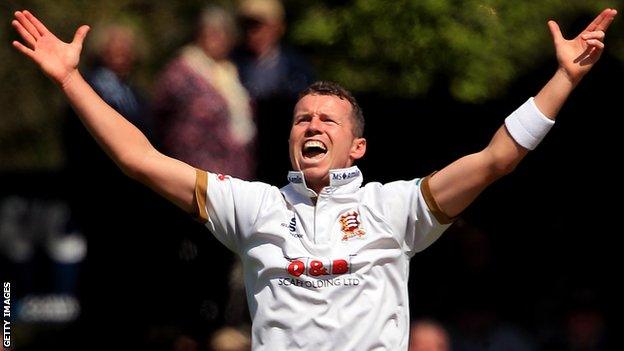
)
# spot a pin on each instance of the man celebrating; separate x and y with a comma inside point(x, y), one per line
point(326, 260)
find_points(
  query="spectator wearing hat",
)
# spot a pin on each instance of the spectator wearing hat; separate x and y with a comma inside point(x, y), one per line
point(268, 69)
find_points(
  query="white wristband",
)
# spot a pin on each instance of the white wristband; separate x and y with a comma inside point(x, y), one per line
point(528, 125)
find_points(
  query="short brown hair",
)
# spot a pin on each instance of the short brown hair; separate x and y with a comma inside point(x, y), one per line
point(334, 89)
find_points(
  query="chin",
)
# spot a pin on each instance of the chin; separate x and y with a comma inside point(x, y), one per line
point(315, 172)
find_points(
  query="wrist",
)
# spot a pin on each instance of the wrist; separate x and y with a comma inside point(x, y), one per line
point(563, 75)
point(69, 79)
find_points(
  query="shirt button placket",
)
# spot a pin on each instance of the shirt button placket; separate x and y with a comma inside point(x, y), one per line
point(320, 220)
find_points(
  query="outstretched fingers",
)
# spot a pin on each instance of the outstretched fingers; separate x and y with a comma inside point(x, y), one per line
point(602, 21)
point(24, 50)
point(28, 26)
point(36, 23)
point(28, 38)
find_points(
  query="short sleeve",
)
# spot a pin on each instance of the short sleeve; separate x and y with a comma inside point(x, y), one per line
point(228, 206)
point(413, 212)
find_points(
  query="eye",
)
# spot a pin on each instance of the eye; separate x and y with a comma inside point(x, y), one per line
point(302, 119)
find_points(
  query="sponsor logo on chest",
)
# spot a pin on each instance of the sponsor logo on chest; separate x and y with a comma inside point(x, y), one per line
point(325, 273)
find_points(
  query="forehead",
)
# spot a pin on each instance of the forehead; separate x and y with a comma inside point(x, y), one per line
point(330, 105)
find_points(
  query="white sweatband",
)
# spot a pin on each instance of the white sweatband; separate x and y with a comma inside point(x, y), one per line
point(528, 125)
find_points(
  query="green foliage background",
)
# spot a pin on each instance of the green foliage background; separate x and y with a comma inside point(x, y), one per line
point(398, 48)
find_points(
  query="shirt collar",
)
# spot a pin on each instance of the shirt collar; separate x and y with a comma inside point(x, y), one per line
point(341, 180)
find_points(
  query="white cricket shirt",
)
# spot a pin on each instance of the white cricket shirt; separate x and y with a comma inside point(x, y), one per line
point(325, 276)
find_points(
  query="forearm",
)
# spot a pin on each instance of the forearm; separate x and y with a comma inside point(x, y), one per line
point(553, 95)
point(457, 185)
point(120, 139)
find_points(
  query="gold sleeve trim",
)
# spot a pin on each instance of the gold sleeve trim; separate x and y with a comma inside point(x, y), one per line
point(435, 209)
point(201, 186)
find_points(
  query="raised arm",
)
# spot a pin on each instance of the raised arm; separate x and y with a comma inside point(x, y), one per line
point(457, 185)
point(121, 140)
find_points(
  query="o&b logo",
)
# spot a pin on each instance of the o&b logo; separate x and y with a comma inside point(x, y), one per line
point(316, 267)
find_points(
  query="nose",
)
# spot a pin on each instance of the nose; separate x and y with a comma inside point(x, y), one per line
point(314, 127)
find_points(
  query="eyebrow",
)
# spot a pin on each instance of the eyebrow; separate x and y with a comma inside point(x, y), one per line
point(308, 114)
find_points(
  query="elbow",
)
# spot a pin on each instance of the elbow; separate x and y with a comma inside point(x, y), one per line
point(501, 167)
point(500, 162)
point(132, 166)
point(129, 169)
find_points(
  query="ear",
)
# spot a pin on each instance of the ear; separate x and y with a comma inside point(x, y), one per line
point(358, 148)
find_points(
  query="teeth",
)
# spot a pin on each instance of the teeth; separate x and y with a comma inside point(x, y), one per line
point(314, 143)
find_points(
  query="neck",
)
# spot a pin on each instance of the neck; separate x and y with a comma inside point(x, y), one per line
point(339, 180)
point(317, 184)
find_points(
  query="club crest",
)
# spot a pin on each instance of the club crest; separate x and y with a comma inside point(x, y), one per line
point(350, 222)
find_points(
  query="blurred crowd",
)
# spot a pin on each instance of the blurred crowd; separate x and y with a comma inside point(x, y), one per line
point(221, 104)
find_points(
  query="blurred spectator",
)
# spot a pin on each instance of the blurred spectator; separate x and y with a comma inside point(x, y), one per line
point(584, 323)
point(113, 55)
point(230, 339)
point(267, 68)
point(185, 343)
point(114, 52)
point(585, 330)
point(428, 335)
point(202, 113)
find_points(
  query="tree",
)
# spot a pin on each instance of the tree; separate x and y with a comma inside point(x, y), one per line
point(400, 47)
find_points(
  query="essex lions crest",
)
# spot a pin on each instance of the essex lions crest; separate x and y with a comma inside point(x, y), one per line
point(350, 222)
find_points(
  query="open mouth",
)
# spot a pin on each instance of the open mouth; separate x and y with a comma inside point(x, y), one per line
point(314, 149)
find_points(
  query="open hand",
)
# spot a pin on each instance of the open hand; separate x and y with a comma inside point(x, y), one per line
point(57, 59)
point(577, 56)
